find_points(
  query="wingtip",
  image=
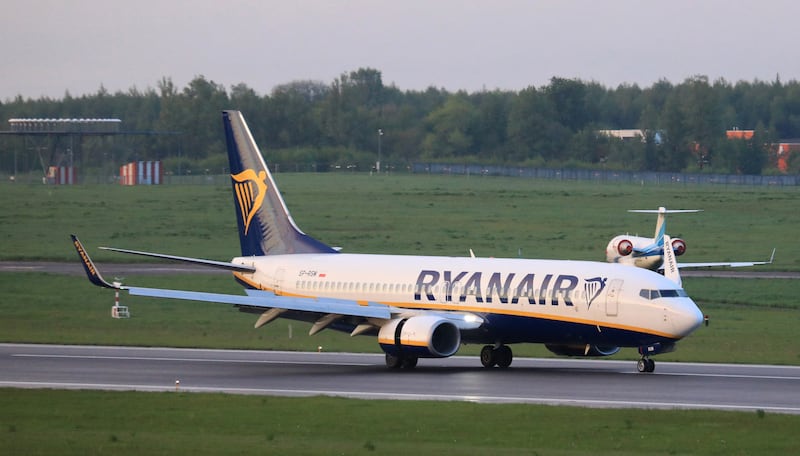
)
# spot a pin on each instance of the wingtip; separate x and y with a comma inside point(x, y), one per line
point(88, 265)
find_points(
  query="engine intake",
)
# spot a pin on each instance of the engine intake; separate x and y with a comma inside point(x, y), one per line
point(678, 246)
point(582, 350)
point(425, 336)
point(625, 247)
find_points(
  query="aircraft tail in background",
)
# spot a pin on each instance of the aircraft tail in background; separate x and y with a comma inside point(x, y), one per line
point(649, 253)
point(661, 221)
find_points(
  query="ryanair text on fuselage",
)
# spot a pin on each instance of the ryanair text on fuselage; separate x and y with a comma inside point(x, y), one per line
point(529, 286)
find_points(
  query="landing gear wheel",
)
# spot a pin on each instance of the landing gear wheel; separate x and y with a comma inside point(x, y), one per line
point(397, 362)
point(646, 365)
point(488, 358)
point(504, 356)
point(393, 362)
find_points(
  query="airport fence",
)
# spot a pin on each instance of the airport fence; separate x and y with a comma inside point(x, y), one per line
point(563, 174)
point(596, 175)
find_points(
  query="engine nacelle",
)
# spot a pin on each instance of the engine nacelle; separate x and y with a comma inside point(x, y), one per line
point(625, 247)
point(678, 246)
point(582, 350)
point(425, 336)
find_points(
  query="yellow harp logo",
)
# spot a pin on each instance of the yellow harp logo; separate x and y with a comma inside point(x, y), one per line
point(250, 190)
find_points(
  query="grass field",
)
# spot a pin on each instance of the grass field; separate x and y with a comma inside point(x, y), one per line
point(751, 320)
point(88, 423)
point(406, 214)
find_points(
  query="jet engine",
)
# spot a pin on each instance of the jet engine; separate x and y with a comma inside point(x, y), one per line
point(678, 246)
point(425, 336)
point(582, 350)
point(625, 247)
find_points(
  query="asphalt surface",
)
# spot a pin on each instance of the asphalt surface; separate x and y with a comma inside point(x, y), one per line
point(589, 383)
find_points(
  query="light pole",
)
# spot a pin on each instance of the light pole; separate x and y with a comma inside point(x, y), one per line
point(378, 164)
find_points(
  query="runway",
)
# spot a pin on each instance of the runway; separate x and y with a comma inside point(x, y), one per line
point(588, 383)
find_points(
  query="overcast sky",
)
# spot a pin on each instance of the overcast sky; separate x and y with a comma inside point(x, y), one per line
point(53, 46)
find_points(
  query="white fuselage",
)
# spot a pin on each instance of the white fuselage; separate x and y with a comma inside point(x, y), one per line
point(573, 294)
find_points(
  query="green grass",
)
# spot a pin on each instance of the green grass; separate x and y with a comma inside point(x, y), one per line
point(407, 214)
point(86, 423)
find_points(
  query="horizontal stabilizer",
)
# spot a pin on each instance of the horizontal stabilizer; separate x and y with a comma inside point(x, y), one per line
point(664, 211)
point(200, 261)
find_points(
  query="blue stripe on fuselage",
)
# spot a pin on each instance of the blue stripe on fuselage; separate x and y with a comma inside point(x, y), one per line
point(512, 329)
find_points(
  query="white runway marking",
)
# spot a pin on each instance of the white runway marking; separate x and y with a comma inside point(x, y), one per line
point(401, 396)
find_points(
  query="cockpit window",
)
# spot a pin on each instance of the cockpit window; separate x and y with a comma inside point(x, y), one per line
point(655, 294)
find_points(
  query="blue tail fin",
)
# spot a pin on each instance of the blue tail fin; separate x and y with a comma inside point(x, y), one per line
point(265, 225)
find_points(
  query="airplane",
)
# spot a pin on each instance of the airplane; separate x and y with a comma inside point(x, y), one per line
point(648, 253)
point(427, 306)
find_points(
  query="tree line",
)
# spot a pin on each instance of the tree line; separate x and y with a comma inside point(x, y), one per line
point(347, 121)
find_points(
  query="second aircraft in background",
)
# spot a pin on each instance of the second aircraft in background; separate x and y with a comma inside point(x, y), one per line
point(648, 253)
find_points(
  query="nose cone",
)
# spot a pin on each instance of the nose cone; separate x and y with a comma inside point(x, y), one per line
point(686, 317)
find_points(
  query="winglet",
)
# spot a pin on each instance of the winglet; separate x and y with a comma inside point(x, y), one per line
point(88, 265)
point(671, 270)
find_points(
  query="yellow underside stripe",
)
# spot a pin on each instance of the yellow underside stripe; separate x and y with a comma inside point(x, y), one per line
point(476, 309)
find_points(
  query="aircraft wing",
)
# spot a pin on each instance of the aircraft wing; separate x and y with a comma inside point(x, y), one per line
point(257, 299)
point(331, 306)
point(738, 264)
point(268, 300)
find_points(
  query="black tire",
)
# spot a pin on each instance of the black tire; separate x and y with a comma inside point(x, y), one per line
point(409, 363)
point(642, 365)
point(393, 362)
point(504, 356)
point(651, 365)
point(488, 358)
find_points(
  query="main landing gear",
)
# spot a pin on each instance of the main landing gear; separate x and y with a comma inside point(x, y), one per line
point(500, 356)
point(398, 362)
point(646, 365)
